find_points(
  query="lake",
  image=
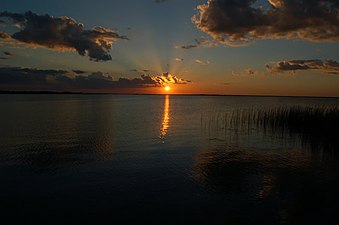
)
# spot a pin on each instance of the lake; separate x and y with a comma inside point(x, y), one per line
point(163, 159)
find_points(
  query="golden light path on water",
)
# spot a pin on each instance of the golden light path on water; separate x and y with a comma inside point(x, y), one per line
point(165, 118)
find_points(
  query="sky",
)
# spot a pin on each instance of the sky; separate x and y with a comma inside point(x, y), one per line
point(236, 47)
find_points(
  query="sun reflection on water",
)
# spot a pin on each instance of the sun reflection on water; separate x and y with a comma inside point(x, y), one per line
point(165, 119)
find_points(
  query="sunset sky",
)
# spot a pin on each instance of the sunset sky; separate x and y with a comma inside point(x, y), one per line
point(242, 47)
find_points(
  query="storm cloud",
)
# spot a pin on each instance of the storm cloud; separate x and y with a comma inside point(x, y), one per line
point(61, 33)
point(237, 22)
point(16, 78)
point(327, 66)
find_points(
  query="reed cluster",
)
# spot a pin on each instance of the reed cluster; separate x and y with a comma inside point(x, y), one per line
point(313, 124)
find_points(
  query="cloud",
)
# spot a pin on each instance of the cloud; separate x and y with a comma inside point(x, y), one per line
point(16, 78)
point(239, 22)
point(35, 79)
point(6, 55)
point(79, 71)
point(201, 42)
point(205, 42)
point(61, 33)
point(186, 46)
point(4, 36)
point(140, 70)
point(167, 78)
point(202, 63)
point(235, 73)
point(160, 1)
point(327, 66)
point(178, 59)
point(249, 71)
point(276, 3)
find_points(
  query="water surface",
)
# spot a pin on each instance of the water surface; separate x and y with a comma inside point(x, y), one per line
point(131, 159)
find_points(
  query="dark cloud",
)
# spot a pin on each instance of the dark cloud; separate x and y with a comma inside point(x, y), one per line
point(144, 80)
point(4, 36)
point(249, 71)
point(79, 71)
point(186, 46)
point(140, 70)
point(236, 22)
point(16, 17)
point(63, 33)
point(16, 78)
point(6, 55)
point(160, 1)
point(35, 79)
point(201, 42)
point(327, 66)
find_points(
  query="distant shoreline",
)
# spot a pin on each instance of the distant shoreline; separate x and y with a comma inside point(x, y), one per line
point(95, 93)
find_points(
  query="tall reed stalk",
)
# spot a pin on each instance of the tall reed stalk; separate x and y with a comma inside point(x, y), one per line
point(318, 124)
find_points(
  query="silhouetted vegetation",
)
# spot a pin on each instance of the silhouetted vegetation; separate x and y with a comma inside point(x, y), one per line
point(315, 125)
point(293, 183)
point(307, 120)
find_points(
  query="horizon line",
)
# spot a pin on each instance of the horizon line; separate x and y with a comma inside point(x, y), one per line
point(216, 95)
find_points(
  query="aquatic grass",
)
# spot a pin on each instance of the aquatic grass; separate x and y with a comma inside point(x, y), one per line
point(313, 124)
point(316, 126)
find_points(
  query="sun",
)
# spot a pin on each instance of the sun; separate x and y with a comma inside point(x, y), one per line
point(167, 88)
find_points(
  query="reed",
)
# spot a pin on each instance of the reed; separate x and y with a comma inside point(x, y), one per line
point(313, 124)
point(320, 120)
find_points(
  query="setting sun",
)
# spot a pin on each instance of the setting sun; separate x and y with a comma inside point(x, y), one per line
point(167, 88)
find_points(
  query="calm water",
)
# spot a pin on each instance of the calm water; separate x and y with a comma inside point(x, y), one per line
point(159, 160)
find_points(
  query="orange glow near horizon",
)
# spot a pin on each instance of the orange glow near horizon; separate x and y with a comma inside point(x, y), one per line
point(167, 88)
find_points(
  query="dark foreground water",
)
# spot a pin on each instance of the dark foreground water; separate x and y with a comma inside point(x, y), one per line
point(160, 160)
